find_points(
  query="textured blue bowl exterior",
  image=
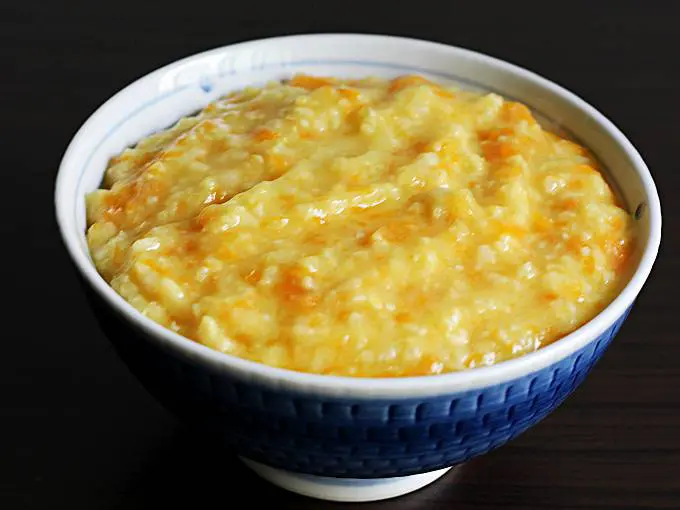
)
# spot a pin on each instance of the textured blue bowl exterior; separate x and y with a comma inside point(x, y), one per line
point(358, 438)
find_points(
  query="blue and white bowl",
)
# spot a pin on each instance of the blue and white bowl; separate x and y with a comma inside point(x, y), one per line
point(342, 438)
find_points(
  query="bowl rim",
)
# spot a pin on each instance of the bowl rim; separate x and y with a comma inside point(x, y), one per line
point(371, 387)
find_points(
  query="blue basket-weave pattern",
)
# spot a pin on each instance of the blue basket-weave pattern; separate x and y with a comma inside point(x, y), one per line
point(358, 438)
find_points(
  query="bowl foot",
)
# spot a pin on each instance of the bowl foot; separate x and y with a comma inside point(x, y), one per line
point(344, 489)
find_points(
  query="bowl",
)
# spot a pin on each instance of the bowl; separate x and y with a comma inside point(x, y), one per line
point(344, 438)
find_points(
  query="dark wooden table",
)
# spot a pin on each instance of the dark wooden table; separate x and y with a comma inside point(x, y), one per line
point(78, 432)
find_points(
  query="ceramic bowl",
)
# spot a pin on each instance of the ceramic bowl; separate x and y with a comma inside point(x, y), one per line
point(343, 438)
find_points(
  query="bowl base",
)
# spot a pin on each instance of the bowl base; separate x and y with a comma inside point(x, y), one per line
point(344, 489)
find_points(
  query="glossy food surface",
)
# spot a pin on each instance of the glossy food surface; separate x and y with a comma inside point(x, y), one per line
point(361, 227)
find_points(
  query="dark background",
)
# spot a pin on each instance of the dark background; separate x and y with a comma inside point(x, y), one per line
point(78, 432)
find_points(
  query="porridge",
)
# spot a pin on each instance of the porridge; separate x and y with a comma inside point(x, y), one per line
point(372, 228)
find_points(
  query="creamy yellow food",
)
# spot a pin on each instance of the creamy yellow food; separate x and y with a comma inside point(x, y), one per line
point(373, 228)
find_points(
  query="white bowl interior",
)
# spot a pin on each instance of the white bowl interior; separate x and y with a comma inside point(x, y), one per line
point(161, 98)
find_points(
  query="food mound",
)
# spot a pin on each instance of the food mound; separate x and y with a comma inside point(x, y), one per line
point(368, 228)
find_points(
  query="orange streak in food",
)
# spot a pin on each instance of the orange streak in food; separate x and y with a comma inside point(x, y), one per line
point(309, 82)
point(402, 317)
point(515, 112)
point(443, 93)
point(191, 246)
point(291, 290)
point(403, 82)
point(574, 245)
point(570, 204)
point(494, 134)
point(264, 134)
point(253, 276)
point(585, 169)
point(420, 147)
point(350, 94)
point(494, 151)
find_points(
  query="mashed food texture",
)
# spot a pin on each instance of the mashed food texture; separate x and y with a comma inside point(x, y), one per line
point(373, 228)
